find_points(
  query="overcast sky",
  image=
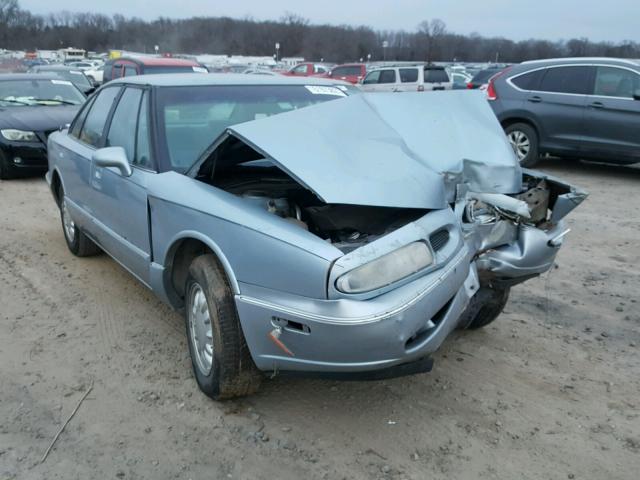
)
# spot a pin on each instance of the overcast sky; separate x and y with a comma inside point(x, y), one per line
point(613, 20)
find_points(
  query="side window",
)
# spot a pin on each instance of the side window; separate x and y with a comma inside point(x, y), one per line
point(116, 71)
point(79, 120)
point(130, 70)
point(616, 82)
point(122, 131)
point(143, 150)
point(371, 78)
point(300, 69)
point(93, 127)
point(408, 75)
point(387, 76)
point(528, 81)
point(566, 80)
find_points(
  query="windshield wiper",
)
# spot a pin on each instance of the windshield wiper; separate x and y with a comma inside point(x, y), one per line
point(64, 102)
point(19, 102)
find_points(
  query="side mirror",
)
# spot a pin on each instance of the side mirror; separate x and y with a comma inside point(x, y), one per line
point(636, 95)
point(113, 157)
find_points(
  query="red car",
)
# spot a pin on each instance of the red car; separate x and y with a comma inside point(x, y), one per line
point(348, 72)
point(308, 69)
point(128, 66)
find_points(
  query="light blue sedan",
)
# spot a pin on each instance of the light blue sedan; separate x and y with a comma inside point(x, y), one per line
point(301, 229)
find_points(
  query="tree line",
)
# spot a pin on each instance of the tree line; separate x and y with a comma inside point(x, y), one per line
point(296, 36)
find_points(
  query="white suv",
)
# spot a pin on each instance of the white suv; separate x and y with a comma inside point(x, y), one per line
point(410, 78)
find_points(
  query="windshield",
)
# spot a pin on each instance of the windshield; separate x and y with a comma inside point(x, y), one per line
point(74, 76)
point(191, 118)
point(39, 92)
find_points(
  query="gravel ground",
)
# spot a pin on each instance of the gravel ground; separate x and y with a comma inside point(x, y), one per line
point(549, 391)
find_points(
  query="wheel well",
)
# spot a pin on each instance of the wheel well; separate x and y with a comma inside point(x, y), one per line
point(512, 121)
point(56, 187)
point(184, 252)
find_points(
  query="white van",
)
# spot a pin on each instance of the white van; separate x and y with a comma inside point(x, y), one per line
point(409, 78)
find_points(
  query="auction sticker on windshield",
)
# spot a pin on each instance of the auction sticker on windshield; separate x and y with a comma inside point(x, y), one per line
point(317, 90)
point(61, 82)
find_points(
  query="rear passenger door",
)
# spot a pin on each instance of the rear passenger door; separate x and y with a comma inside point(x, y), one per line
point(121, 201)
point(558, 106)
point(408, 80)
point(383, 80)
point(613, 115)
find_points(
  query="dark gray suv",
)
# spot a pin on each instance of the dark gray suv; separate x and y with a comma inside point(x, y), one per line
point(571, 107)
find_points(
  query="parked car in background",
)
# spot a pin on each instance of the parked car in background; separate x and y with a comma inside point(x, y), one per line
point(571, 107)
point(308, 69)
point(460, 80)
point(259, 71)
point(407, 78)
point(31, 107)
point(248, 210)
point(348, 72)
point(72, 74)
point(95, 74)
point(130, 66)
point(481, 79)
point(82, 65)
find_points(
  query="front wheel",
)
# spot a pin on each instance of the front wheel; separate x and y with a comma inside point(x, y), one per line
point(220, 357)
point(524, 141)
point(485, 306)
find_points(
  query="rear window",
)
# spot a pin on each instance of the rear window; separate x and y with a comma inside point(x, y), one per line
point(354, 70)
point(483, 76)
point(573, 80)
point(435, 75)
point(408, 75)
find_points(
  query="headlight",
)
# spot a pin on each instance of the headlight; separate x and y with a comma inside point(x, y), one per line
point(387, 269)
point(18, 135)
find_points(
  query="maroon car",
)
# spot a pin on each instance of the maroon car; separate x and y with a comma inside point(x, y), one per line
point(129, 66)
point(348, 72)
point(308, 69)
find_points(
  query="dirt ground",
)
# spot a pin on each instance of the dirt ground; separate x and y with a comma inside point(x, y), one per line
point(549, 391)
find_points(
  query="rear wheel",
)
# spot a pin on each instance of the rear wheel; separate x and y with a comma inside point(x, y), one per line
point(221, 361)
point(524, 141)
point(79, 244)
point(485, 306)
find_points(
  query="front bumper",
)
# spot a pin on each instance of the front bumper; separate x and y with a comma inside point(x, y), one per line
point(24, 157)
point(345, 335)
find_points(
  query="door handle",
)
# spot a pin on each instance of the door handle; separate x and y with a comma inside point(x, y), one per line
point(596, 105)
point(534, 99)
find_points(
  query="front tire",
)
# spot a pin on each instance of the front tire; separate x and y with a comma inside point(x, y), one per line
point(524, 141)
point(485, 306)
point(220, 357)
point(79, 244)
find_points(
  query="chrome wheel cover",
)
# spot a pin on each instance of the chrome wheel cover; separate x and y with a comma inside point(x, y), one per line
point(200, 333)
point(68, 223)
point(520, 143)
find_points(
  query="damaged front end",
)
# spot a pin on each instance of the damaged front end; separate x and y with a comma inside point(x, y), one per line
point(516, 237)
point(431, 223)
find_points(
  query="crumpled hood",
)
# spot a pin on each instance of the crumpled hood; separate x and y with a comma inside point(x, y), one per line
point(406, 150)
point(37, 118)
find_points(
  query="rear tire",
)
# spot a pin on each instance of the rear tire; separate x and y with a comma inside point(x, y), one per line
point(524, 141)
point(220, 357)
point(485, 306)
point(79, 244)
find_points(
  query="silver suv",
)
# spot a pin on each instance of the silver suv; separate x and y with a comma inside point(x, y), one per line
point(407, 78)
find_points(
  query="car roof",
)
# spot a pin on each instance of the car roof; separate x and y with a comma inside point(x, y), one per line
point(162, 61)
point(54, 68)
point(27, 76)
point(570, 60)
point(206, 79)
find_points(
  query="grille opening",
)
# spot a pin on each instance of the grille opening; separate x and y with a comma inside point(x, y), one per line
point(439, 239)
point(423, 333)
